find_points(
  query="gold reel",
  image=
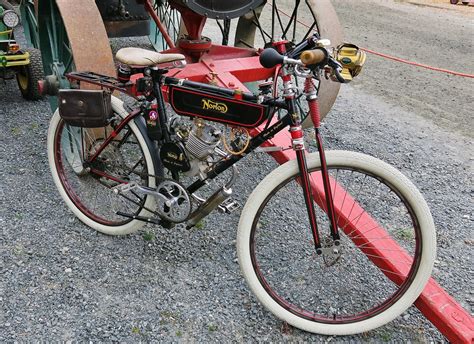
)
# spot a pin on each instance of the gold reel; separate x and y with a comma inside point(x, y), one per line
point(352, 60)
point(236, 140)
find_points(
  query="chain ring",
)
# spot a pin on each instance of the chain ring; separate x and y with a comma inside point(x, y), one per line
point(174, 203)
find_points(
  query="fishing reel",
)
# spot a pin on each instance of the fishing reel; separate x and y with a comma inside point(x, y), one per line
point(351, 58)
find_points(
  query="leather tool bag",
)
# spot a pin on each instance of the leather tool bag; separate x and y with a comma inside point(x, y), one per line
point(85, 108)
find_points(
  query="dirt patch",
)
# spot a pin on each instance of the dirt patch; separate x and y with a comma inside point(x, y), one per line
point(444, 5)
point(419, 34)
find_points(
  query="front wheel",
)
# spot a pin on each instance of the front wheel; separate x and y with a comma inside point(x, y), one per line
point(89, 190)
point(384, 259)
point(29, 75)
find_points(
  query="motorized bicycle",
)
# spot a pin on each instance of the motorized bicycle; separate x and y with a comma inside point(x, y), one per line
point(332, 242)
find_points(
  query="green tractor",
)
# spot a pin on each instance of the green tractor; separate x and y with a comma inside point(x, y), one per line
point(25, 65)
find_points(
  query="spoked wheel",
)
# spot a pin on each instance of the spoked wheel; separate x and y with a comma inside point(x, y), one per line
point(359, 285)
point(28, 11)
point(293, 21)
point(89, 190)
point(171, 20)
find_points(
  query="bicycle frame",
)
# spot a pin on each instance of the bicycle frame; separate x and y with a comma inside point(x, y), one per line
point(292, 119)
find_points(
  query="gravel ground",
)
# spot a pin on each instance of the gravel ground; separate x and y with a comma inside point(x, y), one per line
point(63, 281)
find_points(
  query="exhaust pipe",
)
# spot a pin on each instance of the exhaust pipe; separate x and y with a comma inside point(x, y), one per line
point(208, 206)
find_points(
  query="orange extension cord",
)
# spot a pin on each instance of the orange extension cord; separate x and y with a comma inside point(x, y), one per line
point(466, 75)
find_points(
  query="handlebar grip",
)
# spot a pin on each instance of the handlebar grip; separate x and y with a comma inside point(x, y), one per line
point(314, 57)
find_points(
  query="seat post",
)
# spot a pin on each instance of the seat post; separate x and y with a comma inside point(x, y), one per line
point(157, 77)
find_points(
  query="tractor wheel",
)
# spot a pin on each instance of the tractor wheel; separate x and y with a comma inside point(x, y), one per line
point(293, 21)
point(72, 37)
point(29, 75)
point(454, 2)
point(465, 2)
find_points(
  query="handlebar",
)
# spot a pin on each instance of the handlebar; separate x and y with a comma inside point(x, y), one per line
point(270, 58)
point(315, 56)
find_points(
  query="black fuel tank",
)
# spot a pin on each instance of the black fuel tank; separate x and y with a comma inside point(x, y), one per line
point(217, 108)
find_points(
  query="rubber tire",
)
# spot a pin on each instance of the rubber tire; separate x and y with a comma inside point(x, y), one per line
point(350, 159)
point(454, 2)
point(34, 73)
point(146, 145)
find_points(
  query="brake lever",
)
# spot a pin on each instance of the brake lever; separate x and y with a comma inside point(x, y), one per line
point(337, 68)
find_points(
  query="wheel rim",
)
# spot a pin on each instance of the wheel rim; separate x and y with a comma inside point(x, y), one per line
point(93, 196)
point(22, 78)
point(304, 283)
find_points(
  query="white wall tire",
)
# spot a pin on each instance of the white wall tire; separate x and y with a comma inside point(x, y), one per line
point(128, 227)
point(337, 158)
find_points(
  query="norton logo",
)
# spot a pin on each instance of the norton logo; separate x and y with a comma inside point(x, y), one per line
point(208, 104)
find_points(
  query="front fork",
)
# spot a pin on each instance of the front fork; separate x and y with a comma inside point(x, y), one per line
point(299, 148)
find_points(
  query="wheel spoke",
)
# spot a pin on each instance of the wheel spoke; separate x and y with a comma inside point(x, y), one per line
point(281, 247)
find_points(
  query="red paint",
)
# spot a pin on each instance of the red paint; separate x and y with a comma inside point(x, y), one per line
point(313, 104)
point(296, 133)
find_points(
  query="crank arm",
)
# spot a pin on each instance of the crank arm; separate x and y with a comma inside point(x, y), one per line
point(143, 189)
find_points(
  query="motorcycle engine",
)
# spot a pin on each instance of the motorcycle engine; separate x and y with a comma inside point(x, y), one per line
point(194, 144)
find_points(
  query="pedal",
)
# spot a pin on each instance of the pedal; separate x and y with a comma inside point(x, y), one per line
point(228, 206)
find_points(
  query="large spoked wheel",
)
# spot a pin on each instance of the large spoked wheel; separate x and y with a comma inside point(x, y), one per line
point(350, 288)
point(293, 21)
point(89, 192)
point(62, 28)
point(171, 20)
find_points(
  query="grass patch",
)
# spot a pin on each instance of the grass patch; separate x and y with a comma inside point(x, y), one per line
point(135, 330)
point(404, 233)
point(149, 236)
point(179, 333)
point(16, 131)
point(200, 225)
point(385, 336)
point(212, 328)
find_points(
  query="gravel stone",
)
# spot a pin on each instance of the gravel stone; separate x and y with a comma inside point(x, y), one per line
point(62, 281)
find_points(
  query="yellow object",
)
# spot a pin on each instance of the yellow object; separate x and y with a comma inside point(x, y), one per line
point(14, 60)
point(352, 60)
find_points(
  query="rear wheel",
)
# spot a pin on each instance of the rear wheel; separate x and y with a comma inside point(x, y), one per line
point(384, 259)
point(89, 192)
